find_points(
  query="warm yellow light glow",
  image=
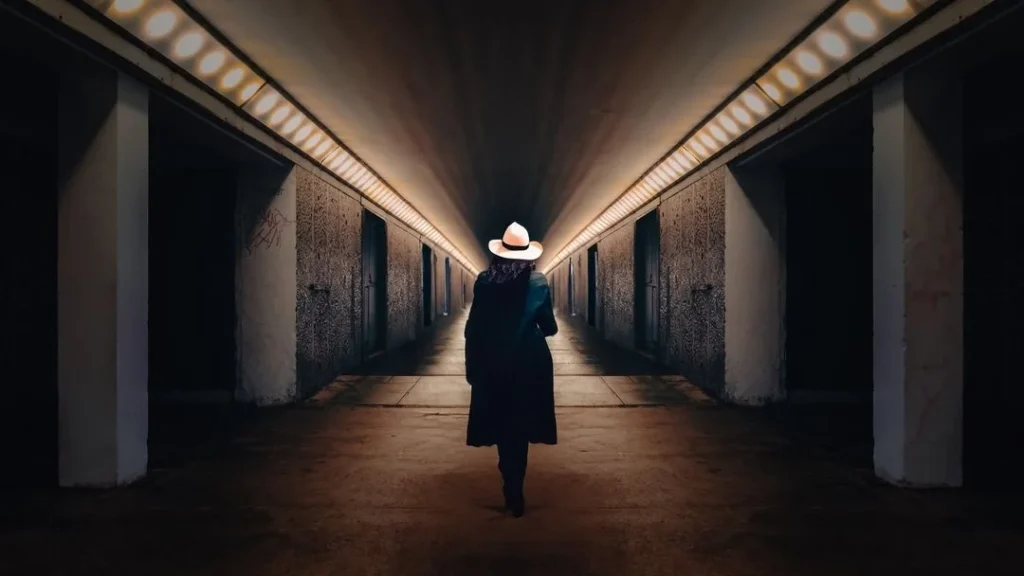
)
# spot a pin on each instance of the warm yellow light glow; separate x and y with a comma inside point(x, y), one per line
point(683, 159)
point(708, 141)
point(232, 79)
point(322, 148)
point(788, 78)
point(729, 124)
point(741, 115)
point(279, 115)
point(250, 91)
point(188, 45)
point(860, 24)
point(160, 24)
point(719, 134)
point(772, 91)
point(833, 45)
point(212, 62)
point(126, 6)
point(809, 62)
point(755, 103)
point(894, 6)
point(676, 165)
point(304, 132)
point(698, 148)
point(291, 124)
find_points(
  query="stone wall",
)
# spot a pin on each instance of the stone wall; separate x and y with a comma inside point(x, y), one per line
point(329, 299)
point(615, 276)
point(405, 293)
point(692, 327)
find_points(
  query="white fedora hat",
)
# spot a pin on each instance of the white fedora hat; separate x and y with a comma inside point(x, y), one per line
point(516, 245)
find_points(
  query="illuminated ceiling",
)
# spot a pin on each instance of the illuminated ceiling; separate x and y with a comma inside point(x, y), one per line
point(540, 112)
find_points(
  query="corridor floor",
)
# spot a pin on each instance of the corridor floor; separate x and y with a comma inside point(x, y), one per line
point(650, 477)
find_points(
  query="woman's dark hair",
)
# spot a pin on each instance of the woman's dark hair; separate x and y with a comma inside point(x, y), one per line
point(502, 269)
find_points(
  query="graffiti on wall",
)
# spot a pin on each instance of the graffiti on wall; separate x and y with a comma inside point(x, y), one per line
point(268, 231)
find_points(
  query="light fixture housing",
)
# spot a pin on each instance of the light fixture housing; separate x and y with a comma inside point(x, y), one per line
point(167, 28)
point(848, 32)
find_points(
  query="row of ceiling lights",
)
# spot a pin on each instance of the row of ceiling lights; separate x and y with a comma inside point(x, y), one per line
point(164, 26)
point(851, 30)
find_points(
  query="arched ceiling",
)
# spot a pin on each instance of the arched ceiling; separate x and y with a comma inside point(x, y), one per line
point(480, 112)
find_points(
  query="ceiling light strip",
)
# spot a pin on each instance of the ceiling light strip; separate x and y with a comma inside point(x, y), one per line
point(167, 28)
point(850, 31)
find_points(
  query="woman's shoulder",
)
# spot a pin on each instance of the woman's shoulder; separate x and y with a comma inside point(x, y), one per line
point(538, 280)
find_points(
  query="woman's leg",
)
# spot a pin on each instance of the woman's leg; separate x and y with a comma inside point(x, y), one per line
point(512, 456)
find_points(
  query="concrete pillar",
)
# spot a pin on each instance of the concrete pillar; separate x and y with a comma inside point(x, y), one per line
point(918, 279)
point(103, 279)
point(754, 291)
point(265, 287)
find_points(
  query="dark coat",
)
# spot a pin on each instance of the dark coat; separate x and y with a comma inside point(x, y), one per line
point(508, 363)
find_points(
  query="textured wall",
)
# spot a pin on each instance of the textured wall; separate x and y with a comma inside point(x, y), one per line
point(329, 314)
point(405, 308)
point(265, 287)
point(617, 286)
point(692, 329)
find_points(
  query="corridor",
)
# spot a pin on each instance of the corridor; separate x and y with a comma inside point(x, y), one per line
point(782, 241)
point(372, 476)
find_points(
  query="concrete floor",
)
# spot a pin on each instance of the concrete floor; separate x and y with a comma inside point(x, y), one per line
point(651, 477)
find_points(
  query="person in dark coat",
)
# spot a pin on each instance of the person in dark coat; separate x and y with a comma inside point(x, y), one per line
point(508, 363)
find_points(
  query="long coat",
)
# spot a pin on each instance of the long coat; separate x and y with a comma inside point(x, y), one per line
point(508, 363)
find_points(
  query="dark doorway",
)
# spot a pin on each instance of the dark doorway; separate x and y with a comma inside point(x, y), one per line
point(993, 265)
point(28, 263)
point(647, 246)
point(592, 285)
point(375, 269)
point(447, 286)
point(572, 287)
point(428, 286)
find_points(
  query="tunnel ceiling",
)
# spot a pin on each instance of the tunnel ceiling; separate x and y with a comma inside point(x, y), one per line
point(480, 113)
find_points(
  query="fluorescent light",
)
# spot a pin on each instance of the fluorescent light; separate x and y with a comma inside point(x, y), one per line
point(167, 28)
point(212, 62)
point(860, 24)
point(833, 44)
point(125, 7)
point(159, 25)
point(809, 62)
point(894, 6)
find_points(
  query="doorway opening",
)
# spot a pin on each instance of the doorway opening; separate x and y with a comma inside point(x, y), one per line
point(592, 286)
point(572, 289)
point(993, 264)
point(28, 309)
point(375, 269)
point(646, 270)
point(428, 285)
point(447, 285)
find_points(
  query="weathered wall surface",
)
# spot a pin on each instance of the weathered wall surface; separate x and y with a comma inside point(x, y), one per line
point(329, 299)
point(405, 295)
point(616, 283)
point(692, 327)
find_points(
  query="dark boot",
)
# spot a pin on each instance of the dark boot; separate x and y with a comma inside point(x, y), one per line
point(514, 500)
point(512, 464)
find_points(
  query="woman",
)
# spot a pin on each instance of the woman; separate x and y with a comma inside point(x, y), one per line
point(508, 363)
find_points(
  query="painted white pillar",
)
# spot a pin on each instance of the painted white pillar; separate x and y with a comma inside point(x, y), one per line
point(918, 279)
point(265, 288)
point(103, 279)
point(754, 277)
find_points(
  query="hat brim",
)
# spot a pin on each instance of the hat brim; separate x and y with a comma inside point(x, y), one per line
point(531, 253)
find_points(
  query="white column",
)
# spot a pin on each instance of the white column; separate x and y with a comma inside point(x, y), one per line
point(918, 279)
point(103, 279)
point(265, 288)
point(754, 276)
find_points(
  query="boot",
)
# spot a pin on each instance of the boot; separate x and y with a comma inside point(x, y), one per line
point(514, 500)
